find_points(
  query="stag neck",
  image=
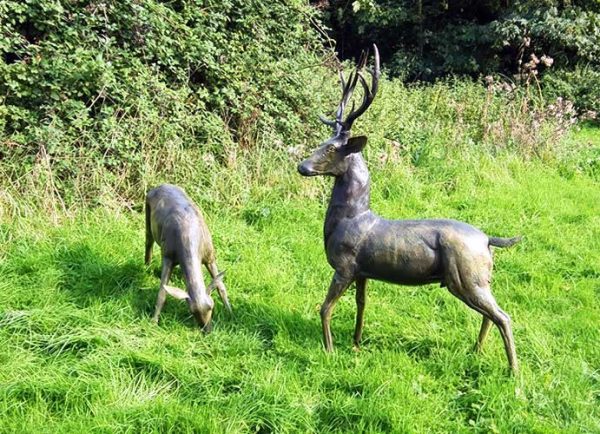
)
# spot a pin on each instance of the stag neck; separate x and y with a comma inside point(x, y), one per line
point(351, 191)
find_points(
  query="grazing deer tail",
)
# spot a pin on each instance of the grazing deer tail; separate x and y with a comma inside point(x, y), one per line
point(503, 242)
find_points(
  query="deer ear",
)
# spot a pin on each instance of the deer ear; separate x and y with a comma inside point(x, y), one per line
point(218, 278)
point(354, 145)
point(179, 294)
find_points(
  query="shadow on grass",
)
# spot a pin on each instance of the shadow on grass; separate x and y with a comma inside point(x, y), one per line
point(268, 322)
point(88, 277)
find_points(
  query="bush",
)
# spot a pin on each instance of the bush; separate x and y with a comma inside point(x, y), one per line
point(88, 83)
point(98, 100)
point(582, 86)
point(427, 40)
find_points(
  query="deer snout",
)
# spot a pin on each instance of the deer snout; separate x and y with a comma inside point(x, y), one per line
point(305, 168)
point(202, 312)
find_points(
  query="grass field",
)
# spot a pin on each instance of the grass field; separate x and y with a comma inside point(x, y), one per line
point(80, 354)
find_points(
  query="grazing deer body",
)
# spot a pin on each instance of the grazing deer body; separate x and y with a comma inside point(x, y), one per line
point(177, 226)
point(361, 245)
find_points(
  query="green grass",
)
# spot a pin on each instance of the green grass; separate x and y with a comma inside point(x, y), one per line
point(80, 354)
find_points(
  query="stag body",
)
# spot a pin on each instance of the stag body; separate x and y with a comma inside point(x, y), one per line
point(361, 245)
point(176, 224)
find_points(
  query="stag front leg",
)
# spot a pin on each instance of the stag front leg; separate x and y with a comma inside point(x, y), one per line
point(361, 294)
point(337, 287)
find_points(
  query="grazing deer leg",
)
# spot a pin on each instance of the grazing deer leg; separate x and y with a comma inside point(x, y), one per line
point(485, 328)
point(167, 268)
point(149, 238)
point(361, 287)
point(337, 287)
point(214, 272)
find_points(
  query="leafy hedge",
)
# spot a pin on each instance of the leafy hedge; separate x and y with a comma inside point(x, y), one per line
point(582, 85)
point(99, 99)
point(423, 40)
point(101, 79)
point(429, 39)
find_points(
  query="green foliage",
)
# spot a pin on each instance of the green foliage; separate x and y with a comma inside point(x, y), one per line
point(99, 100)
point(581, 85)
point(571, 34)
point(428, 40)
point(449, 120)
point(424, 40)
point(90, 82)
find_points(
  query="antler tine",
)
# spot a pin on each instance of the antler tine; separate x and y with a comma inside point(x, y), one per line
point(342, 80)
point(348, 87)
point(362, 60)
point(366, 91)
point(346, 96)
point(369, 94)
point(340, 109)
point(375, 73)
point(327, 122)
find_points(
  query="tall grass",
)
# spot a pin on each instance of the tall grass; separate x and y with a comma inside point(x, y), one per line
point(81, 354)
point(412, 125)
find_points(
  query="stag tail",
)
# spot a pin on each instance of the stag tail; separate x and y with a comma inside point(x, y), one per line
point(504, 242)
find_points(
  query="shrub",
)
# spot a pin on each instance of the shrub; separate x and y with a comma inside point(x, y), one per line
point(98, 100)
point(88, 83)
point(582, 86)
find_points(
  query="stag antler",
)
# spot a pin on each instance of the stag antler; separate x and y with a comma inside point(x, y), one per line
point(339, 125)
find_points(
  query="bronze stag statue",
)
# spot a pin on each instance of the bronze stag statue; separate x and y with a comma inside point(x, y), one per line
point(360, 245)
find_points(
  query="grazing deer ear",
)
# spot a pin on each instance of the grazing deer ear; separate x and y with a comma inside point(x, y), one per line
point(218, 278)
point(179, 294)
point(354, 145)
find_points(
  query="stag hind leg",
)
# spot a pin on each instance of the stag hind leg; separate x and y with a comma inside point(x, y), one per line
point(484, 302)
point(338, 286)
point(468, 277)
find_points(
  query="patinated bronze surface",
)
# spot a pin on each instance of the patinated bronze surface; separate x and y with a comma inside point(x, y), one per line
point(177, 226)
point(361, 245)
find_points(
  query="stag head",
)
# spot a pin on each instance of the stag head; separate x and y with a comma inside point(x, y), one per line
point(330, 157)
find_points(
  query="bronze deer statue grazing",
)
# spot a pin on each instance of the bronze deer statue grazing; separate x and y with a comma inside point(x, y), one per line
point(177, 226)
point(361, 245)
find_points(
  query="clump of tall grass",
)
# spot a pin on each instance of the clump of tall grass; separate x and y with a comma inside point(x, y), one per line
point(416, 124)
point(457, 116)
